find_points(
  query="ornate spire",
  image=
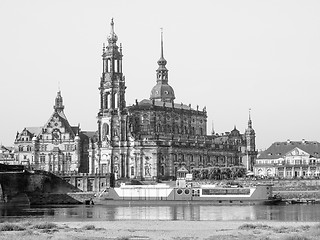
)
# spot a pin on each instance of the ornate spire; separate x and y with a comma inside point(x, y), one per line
point(162, 62)
point(112, 38)
point(249, 121)
point(212, 129)
point(250, 130)
point(162, 91)
point(161, 42)
point(58, 107)
point(112, 83)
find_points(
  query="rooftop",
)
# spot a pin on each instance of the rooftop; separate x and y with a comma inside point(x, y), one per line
point(279, 149)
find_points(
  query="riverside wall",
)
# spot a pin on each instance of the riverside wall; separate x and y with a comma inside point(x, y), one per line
point(293, 188)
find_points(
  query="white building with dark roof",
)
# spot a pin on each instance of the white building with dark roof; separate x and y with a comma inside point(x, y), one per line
point(290, 159)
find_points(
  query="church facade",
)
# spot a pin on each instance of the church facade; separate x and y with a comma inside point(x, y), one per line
point(151, 139)
point(154, 137)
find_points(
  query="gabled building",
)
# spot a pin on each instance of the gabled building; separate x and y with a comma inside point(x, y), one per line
point(7, 155)
point(289, 159)
point(154, 137)
point(57, 146)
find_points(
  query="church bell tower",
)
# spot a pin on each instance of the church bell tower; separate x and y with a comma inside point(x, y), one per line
point(112, 115)
point(250, 137)
point(112, 91)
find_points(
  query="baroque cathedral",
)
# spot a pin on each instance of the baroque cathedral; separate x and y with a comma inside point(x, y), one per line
point(149, 140)
point(156, 136)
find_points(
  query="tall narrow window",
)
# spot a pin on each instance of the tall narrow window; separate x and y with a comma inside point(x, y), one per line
point(115, 65)
point(108, 65)
point(116, 100)
point(162, 170)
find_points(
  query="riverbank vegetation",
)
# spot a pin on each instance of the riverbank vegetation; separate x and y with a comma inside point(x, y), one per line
point(118, 230)
point(303, 232)
point(219, 173)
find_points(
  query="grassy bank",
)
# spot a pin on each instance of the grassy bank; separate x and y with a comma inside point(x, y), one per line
point(175, 230)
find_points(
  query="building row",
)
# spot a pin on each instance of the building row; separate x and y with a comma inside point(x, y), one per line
point(150, 139)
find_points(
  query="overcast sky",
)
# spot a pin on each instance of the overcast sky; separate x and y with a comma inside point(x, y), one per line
point(226, 55)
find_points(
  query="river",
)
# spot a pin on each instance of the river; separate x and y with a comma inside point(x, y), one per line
point(296, 212)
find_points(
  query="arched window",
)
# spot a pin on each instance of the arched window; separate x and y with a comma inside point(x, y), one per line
point(115, 132)
point(68, 157)
point(115, 100)
point(174, 157)
point(162, 170)
point(185, 130)
point(144, 118)
point(108, 64)
point(42, 158)
point(105, 130)
point(168, 129)
point(115, 66)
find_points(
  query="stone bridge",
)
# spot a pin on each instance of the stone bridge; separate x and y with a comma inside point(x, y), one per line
point(19, 186)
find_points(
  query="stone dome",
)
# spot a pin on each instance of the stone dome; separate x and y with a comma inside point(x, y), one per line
point(163, 92)
point(235, 132)
point(112, 37)
point(162, 61)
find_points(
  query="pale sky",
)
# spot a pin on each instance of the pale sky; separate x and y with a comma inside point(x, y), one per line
point(226, 55)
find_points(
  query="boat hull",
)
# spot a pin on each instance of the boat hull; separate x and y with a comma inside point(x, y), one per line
point(147, 195)
point(112, 202)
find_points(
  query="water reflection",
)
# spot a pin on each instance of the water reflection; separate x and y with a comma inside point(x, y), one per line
point(166, 212)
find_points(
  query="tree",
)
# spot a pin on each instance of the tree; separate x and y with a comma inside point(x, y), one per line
point(218, 173)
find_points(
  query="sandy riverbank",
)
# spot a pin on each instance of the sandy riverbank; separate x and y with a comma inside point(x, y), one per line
point(158, 230)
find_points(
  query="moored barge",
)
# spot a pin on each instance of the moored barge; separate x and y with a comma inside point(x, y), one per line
point(187, 192)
